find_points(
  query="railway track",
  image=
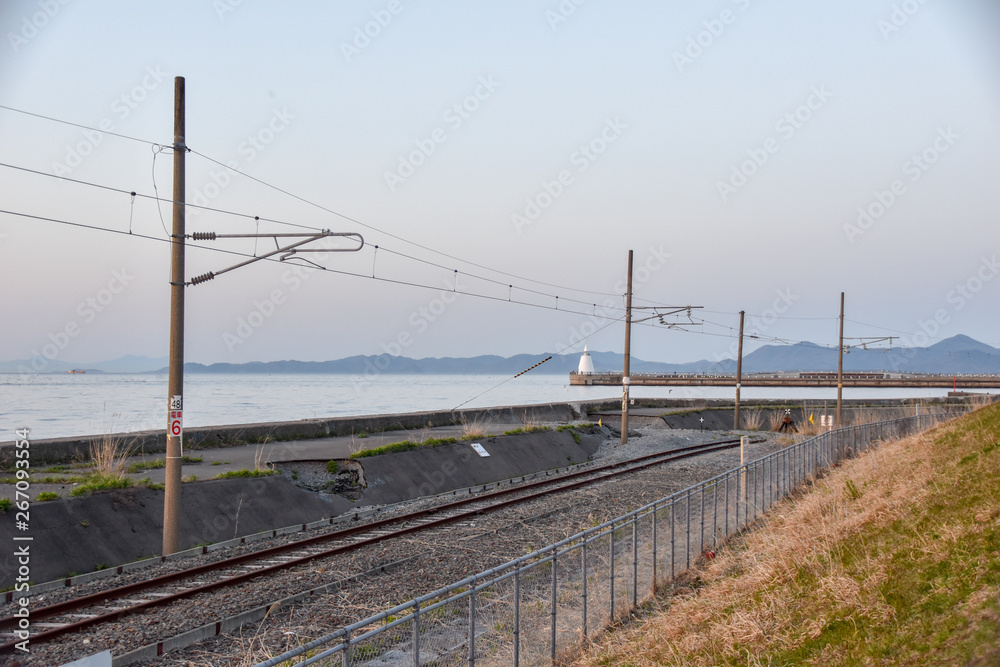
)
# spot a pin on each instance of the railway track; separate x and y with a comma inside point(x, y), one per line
point(79, 613)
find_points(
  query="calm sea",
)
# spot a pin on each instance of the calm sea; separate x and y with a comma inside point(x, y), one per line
point(69, 405)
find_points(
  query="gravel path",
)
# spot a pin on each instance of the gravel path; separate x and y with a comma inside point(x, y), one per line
point(434, 558)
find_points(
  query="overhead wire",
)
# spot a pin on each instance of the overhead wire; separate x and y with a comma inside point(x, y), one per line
point(393, 281)
point(157, 148)
point(162, 147)
point(390, 234)
point(84, 127)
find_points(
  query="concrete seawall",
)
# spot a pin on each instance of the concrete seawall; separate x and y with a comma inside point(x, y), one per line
point(57, 450)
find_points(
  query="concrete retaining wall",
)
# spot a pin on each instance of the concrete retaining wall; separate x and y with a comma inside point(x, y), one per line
point(391, 478)
point(58, 450)
point(111, 528)
point(114, 527)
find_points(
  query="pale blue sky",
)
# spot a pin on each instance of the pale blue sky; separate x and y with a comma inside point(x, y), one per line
point(331, 125)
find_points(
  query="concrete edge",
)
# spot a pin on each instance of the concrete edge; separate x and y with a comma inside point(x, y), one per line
point(231, 623)
point(56, 450)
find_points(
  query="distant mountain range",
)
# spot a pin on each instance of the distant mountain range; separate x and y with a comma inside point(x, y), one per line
point(957, 355)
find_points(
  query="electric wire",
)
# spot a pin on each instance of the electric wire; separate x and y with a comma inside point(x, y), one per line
point(310, 265)
point(157, 198)
point(157, 145)
point(159, 209)
point(85, 127)
point(611, 320)
point(158, 149)
point(904, 333)
point(391, 235)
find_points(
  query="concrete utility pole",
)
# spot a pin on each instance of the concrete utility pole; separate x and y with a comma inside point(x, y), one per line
point(628, 342)
point(739, 375)
point(840, 367)
point(175, 382)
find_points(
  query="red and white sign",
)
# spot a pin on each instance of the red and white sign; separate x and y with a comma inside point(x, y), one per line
point(175, 423)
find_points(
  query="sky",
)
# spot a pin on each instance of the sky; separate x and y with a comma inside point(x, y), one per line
point(500, 160)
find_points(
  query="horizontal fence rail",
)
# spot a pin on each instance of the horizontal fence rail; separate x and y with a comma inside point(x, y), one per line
point(539, 607)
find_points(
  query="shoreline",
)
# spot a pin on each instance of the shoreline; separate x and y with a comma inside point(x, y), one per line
point(56, 450)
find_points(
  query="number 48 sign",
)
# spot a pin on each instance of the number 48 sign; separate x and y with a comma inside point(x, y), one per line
point(175, 423)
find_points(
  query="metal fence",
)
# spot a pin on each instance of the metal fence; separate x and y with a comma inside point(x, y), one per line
point(539, 607)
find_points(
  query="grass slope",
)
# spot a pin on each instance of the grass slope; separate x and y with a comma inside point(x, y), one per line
point(891, 559)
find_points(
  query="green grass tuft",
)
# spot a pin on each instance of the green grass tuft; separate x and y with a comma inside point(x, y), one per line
point(527, 429)
point(245, 473)
point(404, 446)
point(100, 482)
point(572, 432)
point(47, 495)
point(142, 466)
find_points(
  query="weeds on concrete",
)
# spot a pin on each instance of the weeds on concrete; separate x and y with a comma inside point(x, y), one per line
point(108, 456)
point(752, 419)
point(245, 472)
point(572, 432)
point(775, 418)
point(536, 428)
point(473, 430)
point(404, 446)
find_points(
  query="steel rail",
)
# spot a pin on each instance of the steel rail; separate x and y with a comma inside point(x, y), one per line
point(95, 599)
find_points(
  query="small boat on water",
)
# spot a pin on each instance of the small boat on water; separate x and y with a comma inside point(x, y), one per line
point(75, 371)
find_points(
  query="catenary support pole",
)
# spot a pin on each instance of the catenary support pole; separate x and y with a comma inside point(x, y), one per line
point(175, 381)
point(840, 367)
point(739, 375)
point(628, 341)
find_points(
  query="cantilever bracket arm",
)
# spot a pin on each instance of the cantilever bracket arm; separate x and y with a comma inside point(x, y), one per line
point(661, 312)
point(285, 251)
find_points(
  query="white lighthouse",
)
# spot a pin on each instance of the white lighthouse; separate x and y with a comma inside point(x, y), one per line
point(586, 363)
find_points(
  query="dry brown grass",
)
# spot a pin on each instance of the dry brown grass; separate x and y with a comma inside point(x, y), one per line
point(783, 585)
point(866, 416)
point(109, 454)
point(807, 429)
point(532, 422)
point(474, 430)
point(752, 419)
point(775, 418)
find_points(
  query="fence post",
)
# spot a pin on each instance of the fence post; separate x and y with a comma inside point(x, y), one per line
point(726, 534)
point(612, 585)
point(673, 521)
point(715, 514)
point(416, 634)
point(472, 625)
point(584, 559)
point(740, 492)
point(701, 533)
point(687, 543)
point(345, 657)
point(555, 585)
point(783, 473)
point(517, 611)
point(655, 522)
point(635, 560)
